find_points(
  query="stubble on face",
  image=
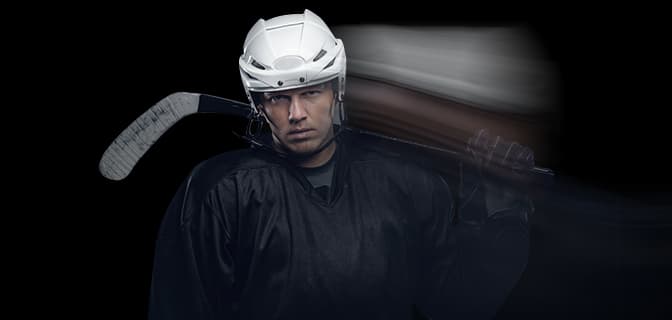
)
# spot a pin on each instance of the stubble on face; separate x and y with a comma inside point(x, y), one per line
point(301, 121)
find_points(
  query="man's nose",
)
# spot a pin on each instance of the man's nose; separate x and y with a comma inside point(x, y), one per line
point(297, 111)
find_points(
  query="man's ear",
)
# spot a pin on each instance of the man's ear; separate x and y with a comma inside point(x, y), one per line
point(336, 112)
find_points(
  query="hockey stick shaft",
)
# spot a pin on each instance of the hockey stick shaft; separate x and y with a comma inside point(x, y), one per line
point(127, 149)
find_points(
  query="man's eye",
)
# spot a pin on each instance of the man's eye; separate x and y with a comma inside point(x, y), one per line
point(313, 92)
point(276, 99)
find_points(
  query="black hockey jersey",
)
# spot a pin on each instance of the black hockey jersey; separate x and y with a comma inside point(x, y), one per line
point(247, 237)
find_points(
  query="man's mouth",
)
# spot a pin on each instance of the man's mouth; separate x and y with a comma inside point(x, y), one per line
point(298, 131)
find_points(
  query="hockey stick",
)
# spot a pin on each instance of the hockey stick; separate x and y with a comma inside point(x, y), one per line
point(127, 149)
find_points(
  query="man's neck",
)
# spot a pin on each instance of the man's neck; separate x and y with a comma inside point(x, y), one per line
point(318, 159)
point(312, 161)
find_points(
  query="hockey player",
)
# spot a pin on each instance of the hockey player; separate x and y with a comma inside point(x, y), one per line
point(312, 223)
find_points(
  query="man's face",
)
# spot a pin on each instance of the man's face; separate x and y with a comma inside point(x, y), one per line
point(300, 119)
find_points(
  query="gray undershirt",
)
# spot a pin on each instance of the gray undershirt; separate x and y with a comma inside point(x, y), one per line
point(320, 177)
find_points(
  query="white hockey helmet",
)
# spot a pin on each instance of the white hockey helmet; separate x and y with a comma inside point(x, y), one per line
point(289, 52)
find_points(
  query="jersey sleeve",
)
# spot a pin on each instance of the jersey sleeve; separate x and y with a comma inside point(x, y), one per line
point(494, 245)
point(193, 273)
point(439, 281)
point(473, 260)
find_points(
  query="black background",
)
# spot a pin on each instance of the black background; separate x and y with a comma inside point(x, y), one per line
point(97, 70)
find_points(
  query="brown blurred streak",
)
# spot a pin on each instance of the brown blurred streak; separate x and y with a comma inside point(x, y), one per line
point(411, 115)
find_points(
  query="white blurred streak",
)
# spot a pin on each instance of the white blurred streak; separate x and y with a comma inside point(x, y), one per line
point(498, 69)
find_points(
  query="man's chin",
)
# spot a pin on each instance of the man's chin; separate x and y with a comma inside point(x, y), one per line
point(302, 149)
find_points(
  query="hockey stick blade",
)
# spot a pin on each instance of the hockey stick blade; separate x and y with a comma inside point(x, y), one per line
point(127, 149)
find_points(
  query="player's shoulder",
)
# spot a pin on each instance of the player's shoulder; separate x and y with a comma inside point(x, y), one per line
point(389, 155)
point(228, 164)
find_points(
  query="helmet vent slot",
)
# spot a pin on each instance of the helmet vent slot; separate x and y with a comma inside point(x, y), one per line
point(258, 65)
point(320, 55)
point(329, 64)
